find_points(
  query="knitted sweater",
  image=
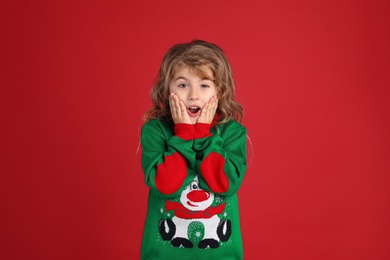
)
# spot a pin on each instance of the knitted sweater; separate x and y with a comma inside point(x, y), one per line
point(194, 173)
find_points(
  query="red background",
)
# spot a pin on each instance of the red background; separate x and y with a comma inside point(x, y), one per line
point(313, 77)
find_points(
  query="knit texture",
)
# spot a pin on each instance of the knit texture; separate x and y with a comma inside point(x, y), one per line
point(194, 173)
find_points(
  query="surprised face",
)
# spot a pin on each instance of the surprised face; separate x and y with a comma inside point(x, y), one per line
point(193, 91)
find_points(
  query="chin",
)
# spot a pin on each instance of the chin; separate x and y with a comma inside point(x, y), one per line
point(193, 120)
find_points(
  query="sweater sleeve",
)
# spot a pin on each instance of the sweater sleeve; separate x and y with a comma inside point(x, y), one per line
point(221, 157)
point(167, 157)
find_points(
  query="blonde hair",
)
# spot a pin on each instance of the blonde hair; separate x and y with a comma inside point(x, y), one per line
point(199, 56)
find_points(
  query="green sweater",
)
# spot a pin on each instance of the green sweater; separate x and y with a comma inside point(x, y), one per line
point(194, 173)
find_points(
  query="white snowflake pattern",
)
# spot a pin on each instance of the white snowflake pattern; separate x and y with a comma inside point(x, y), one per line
point(218, 199)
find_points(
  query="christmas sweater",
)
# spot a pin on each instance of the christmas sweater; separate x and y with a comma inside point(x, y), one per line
point(194, 173)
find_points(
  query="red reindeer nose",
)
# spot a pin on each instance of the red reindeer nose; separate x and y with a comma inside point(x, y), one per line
point(198, 195)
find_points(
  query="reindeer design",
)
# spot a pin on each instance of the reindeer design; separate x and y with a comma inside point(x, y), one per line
point(195, 207)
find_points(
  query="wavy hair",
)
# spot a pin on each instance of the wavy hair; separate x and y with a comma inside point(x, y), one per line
point(198, 56)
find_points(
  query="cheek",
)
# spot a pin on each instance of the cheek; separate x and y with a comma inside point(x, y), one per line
point(171, 88)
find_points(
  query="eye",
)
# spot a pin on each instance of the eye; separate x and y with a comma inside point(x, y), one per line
point(194, 186)
point(183, 85)
point(204, 86)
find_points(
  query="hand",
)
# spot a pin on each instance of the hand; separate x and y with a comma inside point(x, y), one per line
point(178, 110)
point(208, 111)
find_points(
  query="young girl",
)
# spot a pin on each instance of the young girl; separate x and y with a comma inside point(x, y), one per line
point(193, 157)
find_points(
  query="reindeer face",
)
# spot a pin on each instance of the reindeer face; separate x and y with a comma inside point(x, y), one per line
point(194, 198)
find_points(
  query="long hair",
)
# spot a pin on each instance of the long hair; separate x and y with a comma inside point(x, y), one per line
point(199, 56)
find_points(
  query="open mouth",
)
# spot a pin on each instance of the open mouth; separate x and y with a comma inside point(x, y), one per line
point(193, 110)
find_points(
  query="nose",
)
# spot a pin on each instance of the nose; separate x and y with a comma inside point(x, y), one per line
point(198, 195)
point(193, 95)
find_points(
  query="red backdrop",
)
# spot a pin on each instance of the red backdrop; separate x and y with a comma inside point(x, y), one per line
point(313, 77)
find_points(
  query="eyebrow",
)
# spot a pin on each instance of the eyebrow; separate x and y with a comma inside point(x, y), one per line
point(184, 78)
point(180, 78)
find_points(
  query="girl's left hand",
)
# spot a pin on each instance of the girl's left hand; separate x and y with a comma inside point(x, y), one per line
point(208, 111)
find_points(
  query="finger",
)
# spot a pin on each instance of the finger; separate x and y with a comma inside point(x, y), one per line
point(209, 106)
point(183, 108)
point(205, 108)
point(214, 106)
point(204, 112)
point(177, 105)
point(209, 110)
point(172, 105)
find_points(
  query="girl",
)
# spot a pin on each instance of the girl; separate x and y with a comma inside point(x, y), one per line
point(193, 157)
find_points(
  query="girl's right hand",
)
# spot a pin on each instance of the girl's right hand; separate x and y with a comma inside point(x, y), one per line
point(178, 110)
